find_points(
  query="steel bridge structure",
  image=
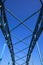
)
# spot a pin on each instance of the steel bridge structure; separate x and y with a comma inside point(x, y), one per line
point(7, 35)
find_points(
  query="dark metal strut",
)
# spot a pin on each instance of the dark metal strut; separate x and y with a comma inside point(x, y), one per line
point(36, 34)
point(5, 29)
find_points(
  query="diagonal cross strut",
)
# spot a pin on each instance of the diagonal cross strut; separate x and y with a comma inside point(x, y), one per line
point(5, 29)
point(36, 34)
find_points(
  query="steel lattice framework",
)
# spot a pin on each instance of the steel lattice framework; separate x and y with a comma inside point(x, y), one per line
point(35, 35)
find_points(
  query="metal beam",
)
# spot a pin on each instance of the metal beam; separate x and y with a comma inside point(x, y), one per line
point(5, 30)
point(36, 34)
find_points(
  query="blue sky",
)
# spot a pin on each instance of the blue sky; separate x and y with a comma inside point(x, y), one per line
point(22, 9)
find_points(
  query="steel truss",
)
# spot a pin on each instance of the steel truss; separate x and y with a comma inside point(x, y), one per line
point(5, 29)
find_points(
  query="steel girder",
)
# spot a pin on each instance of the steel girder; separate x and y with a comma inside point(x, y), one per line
point(5, 29)
point(36, 34)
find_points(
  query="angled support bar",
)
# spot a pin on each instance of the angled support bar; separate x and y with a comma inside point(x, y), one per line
point(6, 33)
point(36, 34)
